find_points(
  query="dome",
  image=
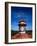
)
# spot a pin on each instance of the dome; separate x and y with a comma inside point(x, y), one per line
point(22, 23)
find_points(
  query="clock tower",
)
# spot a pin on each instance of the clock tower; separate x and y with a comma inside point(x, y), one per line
point(22, 26)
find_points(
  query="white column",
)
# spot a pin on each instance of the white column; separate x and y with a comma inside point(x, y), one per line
point(22, 29)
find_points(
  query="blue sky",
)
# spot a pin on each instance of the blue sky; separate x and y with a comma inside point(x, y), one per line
point(18, 13)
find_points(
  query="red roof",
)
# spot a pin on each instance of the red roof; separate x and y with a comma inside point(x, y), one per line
point(22, 36)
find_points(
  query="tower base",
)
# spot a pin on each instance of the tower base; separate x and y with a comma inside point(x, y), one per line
point(23, 32)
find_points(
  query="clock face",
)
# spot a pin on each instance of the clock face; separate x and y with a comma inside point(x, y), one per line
point(22, 28)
